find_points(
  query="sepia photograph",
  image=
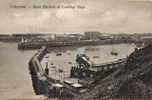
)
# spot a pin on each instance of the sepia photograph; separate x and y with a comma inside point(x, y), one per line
point(76, 50)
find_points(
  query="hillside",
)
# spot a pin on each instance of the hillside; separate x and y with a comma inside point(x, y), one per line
point(130, 81)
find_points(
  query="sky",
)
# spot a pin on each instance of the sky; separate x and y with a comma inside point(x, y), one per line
point(115, 16)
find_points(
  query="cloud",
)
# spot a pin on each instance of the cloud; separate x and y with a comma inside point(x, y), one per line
point(103, 16)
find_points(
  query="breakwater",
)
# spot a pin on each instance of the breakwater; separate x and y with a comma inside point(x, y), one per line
point(37, 74)
point(48, 85)
point(36, 45)
point(43, 84)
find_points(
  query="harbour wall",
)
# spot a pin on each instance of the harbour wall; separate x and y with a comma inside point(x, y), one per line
point(42, 84)
point(38, 76)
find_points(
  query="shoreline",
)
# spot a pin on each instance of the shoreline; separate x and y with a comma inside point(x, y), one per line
point(38, 45)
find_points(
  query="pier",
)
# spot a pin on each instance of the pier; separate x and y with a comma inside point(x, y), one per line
point(39, 44)
point(69, 82)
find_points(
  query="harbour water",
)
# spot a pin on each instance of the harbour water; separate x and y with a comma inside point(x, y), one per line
point(15, 80)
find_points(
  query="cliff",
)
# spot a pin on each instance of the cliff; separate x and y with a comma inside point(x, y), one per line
point(130, 81)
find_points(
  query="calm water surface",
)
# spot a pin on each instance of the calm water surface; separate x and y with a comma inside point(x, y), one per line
point(15, 80)
point(98, 54)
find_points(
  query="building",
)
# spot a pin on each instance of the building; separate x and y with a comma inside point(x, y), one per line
point(67, 37)
point(92, 35)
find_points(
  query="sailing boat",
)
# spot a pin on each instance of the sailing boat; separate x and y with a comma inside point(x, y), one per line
point(22, 41)
point(114, 53)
